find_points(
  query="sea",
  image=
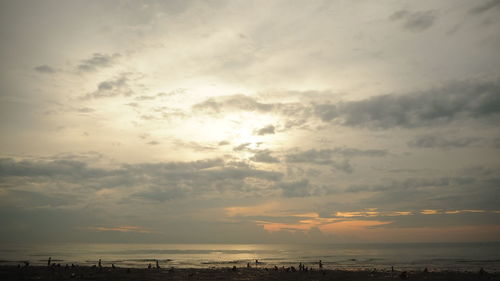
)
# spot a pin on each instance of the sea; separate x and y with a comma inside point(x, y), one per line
point(401, 256)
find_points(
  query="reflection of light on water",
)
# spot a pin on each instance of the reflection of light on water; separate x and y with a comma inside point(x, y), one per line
point(403, 256)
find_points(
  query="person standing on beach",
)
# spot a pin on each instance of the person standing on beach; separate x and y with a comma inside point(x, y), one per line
point(48, 262)
point(320, 265)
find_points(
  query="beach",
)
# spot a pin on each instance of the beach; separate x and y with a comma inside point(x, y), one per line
point(94, 273)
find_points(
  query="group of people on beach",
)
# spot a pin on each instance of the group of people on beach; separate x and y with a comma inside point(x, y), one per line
point(301, 267)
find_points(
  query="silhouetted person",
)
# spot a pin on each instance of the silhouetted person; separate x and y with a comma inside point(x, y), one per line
point(426, 270)
point(256, 263)
point(403, 275)
point(48, 262)
point(99, 264)
point(234, 267)
point(248, 265)
point(157, 265)
point(482, 271)
point(149, 266)
point(113, 266)
point(275, 268)
point(320, 265)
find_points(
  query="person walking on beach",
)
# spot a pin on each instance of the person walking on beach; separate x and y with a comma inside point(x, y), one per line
point(157, 265)
point(320, 265)
point(48, 262)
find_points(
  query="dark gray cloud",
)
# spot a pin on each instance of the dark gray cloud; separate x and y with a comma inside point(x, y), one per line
point(295, 188)
point(435, 141)
point(467, 191)
point(496, 143)
point(97, 61)
point(485, 6)
point(221, 143)
point(269, 129)
point(242, 146)
point(45, 69)
point(38, 199)
point(342, 165)
point(231, 103)
point(264, 156)
point(112, 87)
point(327, 157)
point(179, 179)
point(415, 21)
point(454, 101)
point(298, 111)
point(324, 156)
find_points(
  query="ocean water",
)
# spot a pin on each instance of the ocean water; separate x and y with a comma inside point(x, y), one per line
point(414, 256)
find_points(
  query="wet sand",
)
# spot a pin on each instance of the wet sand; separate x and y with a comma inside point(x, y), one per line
point(97, 274)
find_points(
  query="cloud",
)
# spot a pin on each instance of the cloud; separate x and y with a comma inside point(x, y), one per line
point(414, 21)
point(85, 110)
point(468, 190)
point(222, 143)
point(45, 69)
point(324, 156)
point(484, 7)
point(429, 212)
point(122, 228)
point(97, 61)
point(414, 183)
point(232, 103)
point(112, 87)
point(298, 111)
point(242, 146)
point(295, 188)
point(434, 141)
point(264, 156)
point(150, 181)
point(269, 129)
point(454, 101)
point(37, 199)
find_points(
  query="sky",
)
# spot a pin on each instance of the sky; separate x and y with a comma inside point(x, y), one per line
point(250, 121)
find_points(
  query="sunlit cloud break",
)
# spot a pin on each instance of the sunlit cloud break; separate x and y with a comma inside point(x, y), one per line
point(122, 228)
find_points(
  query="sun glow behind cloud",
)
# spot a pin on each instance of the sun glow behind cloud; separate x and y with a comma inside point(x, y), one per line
point(251, 120)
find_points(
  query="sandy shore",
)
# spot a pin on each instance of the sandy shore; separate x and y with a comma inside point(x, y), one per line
point(97, 274)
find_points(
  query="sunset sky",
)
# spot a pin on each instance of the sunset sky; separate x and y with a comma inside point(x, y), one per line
point(250, 121)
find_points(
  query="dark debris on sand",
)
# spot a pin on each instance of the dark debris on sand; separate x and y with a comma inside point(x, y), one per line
point(40, 273)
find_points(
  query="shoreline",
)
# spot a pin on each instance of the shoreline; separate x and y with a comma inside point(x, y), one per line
point(226, 273)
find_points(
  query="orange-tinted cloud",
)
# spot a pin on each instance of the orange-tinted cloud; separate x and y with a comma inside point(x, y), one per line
point(122, 228)
point(429, 212)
